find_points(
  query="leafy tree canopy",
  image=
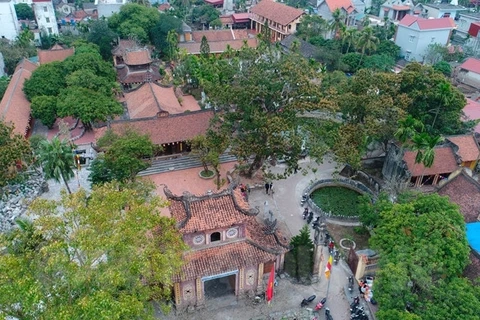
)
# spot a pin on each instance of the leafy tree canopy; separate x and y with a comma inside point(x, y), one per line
point(204, 14)
point(14, 52)
point(165, 24)
point(100, 33)
point(444, 67)
point(106, 255)
point(47, 80)
point(4, 81)
point(14, 149)
point(44, 108)
point(24, 11)
point(134, 21)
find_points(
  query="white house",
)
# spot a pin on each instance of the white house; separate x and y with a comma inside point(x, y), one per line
point(325, 9)
point(45, 16)
point(29, 2)
point(395, 10)
point(106, 8)
point(415, 34)
point(469, 72)
point(464, 22)
point(8, 20)
point(440, 10)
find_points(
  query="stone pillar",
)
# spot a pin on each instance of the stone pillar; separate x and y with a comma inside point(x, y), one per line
point(317, 263)
point(241, 281)
point(199, 293)
point(260, 277)
point(177, 293)
point(362, 263)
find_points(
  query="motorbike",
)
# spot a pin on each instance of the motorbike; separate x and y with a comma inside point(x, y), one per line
point(328, 316)
point(359, 314)
point(307, 301)
point(304, 199)
point(354, 305)
point(336, 256)
point(310, 217)
point(350, 284)
point(320, 304)
point(305, 214)
point(316, 223)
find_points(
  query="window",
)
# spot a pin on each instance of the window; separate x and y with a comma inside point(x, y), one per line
point(48, 20)
point(433, 39)
point(49, 30)
point(45, 9)
point(411, 38)
point(215, 237)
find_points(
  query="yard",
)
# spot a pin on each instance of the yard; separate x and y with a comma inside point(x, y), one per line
point(358, 234)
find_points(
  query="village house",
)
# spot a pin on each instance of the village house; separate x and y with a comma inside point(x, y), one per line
point(469, 72)
point(457, 151)
point(325, 9)
point(440, 10)
point(306, 49)
point(14, 107)
point(472, 112)
point(106, 8)
point(465, 21)
point(45, 16)
point(133, 64)
point(10, 27)
point(415, 34)
point(282, 20)
point(218, 40)
point(395, 10)
point(231, 253)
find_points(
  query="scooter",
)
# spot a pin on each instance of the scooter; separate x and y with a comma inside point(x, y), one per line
point(316, 223)
point(336, 256)
point(350, 284)
point(355, 304)
point(320, 304)
point(328, 316)
point(304, 199)
point(359, 314)
point(307, 301)
point(310, 217)
point(305, 214)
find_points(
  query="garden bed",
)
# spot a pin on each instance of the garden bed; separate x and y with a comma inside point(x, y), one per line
point(340, 201)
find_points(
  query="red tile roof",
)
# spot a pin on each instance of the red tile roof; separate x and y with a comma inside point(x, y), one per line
point(276, 12)
point(444, 162)
point(123, 46)
point(164, 7)
point(150, 98)
point(56, 53)
point(218, 46)
point(125, 76)
point(472, 112)
point(14, 107)
point(222, 35)
point(139, 57)
point(468, 149)
point(464, 191)
point(428, 24)
point(241, 17)
point(471, 64)
point(346, 5)
point(401, 8)
point(214, 2)
point(226, 19)
point(174, 128)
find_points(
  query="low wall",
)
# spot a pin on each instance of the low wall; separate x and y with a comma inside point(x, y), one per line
point(346, 183)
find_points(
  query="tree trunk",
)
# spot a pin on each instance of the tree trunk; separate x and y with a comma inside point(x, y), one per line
point(66, 184)
point(217, 172)
point(257, 162)
point(205, 167)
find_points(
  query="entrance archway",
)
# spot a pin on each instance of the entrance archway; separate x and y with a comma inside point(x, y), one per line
point(220, 285)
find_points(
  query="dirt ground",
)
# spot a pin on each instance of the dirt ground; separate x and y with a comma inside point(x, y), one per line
point(340, 232)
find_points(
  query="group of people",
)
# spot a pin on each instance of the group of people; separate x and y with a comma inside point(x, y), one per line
point(268, 187)
point(365, 290)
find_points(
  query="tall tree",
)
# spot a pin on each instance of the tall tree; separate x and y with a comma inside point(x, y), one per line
point(424, 145)
point(349, 37)
point(24, 11)
point(337, 23)
point(44, 108)
point(161, 30)
point(299, 261)
point(14, 149)
point(204, 47)
point(368, 41)
point(134, 21)
point(172, 40)
point(105, 255)
point(311, 26)
point(56, 159)
point(46, 80)
point(100, 33)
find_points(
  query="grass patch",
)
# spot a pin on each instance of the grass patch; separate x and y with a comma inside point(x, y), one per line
point(207, 174)
point(340, 201)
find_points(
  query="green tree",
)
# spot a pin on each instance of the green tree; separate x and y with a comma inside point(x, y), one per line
point(4, 81)
point(88, 57)
point(13, 53)
point(25, 38)
point(424, 145)
point(125, 155)
point(443, 67)
point(204, 47)
point(435, 53)
point(352, 61)
point(86, 78)
point(56, 159)
point(367, 41)
point(100, 33)
point(46, 80)
point(104, 255)
point(204, 15)
point(336, 24)
point(311, 26)
point(134, 20)
point(161, 31)
point(87, 105)
point(380, 62)
point(172, 40)
point(44, 108)
point(299, 260)
point(389, 48)
point(422, 244)
point(349, 37)
point(14, 149)
point(24, 11)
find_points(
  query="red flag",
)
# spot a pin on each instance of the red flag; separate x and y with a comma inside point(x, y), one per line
point(269, 293)
point(328, 267)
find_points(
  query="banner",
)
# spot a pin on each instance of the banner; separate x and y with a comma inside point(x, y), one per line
point(271, 280)
point(328, 268)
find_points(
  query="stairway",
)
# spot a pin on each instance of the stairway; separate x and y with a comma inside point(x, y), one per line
point(181, 163)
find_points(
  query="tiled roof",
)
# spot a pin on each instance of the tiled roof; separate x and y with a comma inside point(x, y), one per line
point(471, 64)
point(14, 107)
point(220, 259)
point(306, 49)
point(174, 128)
point(164, 7)
point(138, 57)
point(401, 8)
point(57, 53)
point(241, 17)
point(444, 162)
point(226, 19)
point(472, 112)
point(222, 35)
point(347, 5)
point(428, 24)
point(123, 46)
point(468, 149)
point(150, 99)
point(125, 76)
point(464, 191)
point(276, 12)
point(218, 46)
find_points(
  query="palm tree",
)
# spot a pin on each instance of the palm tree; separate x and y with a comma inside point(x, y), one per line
point(349, 36)
point(336, 24)
point(425, 145)
point(367, 41)
point(56, 158)
point(444, 96)
point(408, 128)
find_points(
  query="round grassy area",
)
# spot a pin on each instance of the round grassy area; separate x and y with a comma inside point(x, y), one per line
point(340, 201)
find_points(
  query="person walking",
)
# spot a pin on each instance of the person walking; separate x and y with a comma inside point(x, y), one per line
point(270, 187)
point(267, 186)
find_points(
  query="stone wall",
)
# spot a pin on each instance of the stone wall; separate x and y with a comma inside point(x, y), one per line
point(14, 199)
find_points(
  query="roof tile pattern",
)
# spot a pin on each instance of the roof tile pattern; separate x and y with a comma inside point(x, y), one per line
point(57, 53)
point(221, 35)
point(465, 192)
point(468, 149)
point(428, 24)
point(276, 12)
point(444, 162)
point(346, 5)
point(471, 64)
point(14, 107)
point(135, 58)
point(218, 46)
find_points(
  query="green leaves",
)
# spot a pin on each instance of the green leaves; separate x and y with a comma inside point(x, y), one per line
point(56, 158)
point(98, 257)
point(14, 150)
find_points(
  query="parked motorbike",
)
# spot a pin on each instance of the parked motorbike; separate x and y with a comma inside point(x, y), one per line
point(305, 214)
point(320, 304)
point(336, 256)
point(350, 284)
point(328, 316)
point(307, 301)
point(354, 305)
point(359, 314)
point(304, 199)
point(316, 223)
point(310, 217)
